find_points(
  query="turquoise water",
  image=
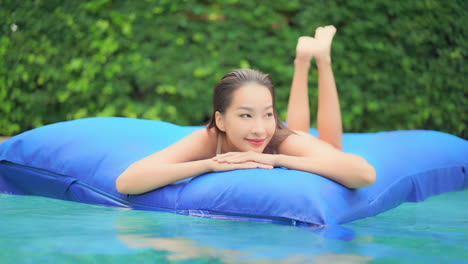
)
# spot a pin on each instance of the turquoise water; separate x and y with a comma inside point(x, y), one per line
point(43, 230)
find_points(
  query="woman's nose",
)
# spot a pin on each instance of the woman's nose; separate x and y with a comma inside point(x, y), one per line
point(258, 129)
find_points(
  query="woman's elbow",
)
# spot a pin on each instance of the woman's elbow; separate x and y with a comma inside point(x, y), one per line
point(366, 175)
point(369, 176)
point(121, 185)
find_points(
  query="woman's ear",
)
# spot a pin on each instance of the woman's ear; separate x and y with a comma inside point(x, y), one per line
point(219, 118)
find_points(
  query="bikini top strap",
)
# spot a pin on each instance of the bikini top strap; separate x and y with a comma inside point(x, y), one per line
point(220, 144)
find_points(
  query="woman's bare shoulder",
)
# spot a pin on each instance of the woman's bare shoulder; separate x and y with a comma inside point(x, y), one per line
point(303, 144)
point(206, 137)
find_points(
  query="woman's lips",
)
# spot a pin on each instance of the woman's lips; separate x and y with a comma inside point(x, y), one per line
point(256, 142)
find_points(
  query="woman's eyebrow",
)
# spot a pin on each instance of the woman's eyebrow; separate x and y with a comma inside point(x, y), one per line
point(247, 108)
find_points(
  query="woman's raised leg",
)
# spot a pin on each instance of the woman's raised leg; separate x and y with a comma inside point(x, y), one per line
point(329, 114)
point(298, 117)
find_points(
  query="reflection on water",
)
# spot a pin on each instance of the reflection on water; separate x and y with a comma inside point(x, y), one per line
point(181, 248)
point(226, 241)
point(185, 249)
point(36, 228)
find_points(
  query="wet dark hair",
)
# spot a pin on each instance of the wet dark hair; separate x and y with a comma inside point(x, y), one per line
point(224, 91)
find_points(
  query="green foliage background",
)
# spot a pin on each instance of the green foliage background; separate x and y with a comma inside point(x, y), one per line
point(397, 64)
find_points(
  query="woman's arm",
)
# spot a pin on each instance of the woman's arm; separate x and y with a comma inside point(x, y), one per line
point(304, 152)
point(349, 170)
point(143, 176)
point(189, 157)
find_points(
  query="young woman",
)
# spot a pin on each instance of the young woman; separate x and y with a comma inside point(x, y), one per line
point(245, 132)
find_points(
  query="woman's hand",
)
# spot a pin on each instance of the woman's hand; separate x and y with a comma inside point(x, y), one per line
point(318, 47)
point(217, 166)
point(243, 157)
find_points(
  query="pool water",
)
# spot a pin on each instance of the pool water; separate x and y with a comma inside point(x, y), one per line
point(42, 230)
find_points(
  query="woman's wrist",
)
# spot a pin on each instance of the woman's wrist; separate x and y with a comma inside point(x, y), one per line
point(208, 165)
point(278, 160)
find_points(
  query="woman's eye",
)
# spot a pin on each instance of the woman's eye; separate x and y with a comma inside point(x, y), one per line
point(245, 115)
point(269, 115)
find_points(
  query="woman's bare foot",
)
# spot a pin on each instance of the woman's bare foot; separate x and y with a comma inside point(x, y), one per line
point(317, 47)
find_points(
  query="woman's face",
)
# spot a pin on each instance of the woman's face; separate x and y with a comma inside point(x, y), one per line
point(249, 122)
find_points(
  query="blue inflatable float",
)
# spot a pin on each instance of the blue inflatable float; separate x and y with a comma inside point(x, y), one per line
point(79, 161)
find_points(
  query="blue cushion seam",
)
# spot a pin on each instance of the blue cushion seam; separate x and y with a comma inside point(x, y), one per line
point(74, 180)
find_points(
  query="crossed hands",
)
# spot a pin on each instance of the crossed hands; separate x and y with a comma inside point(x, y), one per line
point(317, 47)
point(242, 160)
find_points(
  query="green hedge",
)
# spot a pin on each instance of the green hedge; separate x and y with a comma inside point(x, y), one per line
point(397, 64)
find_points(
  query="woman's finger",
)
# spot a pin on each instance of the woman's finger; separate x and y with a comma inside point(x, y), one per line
point(230, 157)
point(262, 166)
point(253, 165)
point(243, 165)
point(222, 156)
point(229, 154)
point(237, 159)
